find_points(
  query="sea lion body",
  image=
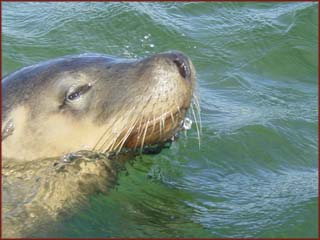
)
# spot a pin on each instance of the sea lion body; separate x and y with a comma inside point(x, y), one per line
point(88, 102)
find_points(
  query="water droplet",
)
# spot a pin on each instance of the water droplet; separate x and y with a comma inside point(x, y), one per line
point(187, 123)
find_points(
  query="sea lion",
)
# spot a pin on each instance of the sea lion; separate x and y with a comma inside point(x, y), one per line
point(87, 102)
point(94, 102)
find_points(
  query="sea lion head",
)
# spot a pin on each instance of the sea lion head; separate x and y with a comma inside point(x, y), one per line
point(94, 102)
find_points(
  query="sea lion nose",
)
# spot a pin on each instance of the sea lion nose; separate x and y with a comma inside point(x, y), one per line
point(183, 67)
point(176, 61)
point(182, 64)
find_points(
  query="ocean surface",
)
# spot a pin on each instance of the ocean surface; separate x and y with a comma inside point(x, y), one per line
point(256, 171)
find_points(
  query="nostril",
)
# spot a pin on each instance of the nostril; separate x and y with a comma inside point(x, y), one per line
point(183, 67)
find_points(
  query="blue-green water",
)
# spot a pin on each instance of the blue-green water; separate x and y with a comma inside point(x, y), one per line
point(256, 173)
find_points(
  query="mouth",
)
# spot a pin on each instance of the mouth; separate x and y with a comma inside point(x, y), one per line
point(185, 125)
point(157, 130)
point(151, 136)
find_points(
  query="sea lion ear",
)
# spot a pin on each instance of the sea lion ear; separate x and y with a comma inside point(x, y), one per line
point(7, 130)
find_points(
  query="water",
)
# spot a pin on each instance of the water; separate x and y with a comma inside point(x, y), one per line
point(256, 173)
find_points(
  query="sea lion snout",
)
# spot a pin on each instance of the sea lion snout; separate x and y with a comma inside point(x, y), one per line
point(183, 67)
point(181, 62)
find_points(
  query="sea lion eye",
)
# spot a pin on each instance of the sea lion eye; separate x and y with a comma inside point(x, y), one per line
point(74, 94)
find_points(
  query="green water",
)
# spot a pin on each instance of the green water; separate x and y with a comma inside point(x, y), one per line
point(256, 173)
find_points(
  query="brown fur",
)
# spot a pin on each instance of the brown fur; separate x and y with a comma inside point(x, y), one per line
point(124, 104)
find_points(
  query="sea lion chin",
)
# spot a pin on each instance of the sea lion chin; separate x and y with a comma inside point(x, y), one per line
point(94, 102)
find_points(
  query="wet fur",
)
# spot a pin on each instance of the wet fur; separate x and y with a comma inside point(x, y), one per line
point(132, 103)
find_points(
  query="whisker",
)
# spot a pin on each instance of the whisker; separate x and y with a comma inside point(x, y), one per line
point(196, 100)
point(138, 134)
point(163, 120)
point(195, 119)
point(197, 105)
point(126, 136)
point(100, 139)
point(144, 135)
point(178, 108)
point(106, 141)
point(172, 118)
point(113, 143)
point(160, 126)
point(154, 124)
point(105, 134)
